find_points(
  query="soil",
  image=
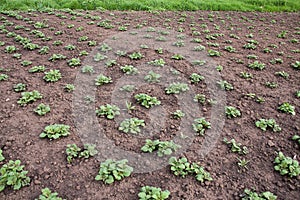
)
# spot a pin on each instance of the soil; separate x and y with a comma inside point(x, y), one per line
point(45, 160)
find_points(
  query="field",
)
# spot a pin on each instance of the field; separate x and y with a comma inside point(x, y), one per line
point(220, 89)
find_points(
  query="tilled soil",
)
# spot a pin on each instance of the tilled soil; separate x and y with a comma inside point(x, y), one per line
point(45, 160)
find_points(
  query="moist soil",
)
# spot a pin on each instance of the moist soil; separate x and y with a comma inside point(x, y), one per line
point(45, 160)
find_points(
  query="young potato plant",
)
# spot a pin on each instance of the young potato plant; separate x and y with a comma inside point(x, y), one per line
point(87, 69)
point(1, 156)
point(47, 194)
point(236, 147)
point(55, 131)
point(42, 109)
point(176, 88)
point(113, 170)
point(52, 75)
point(232, 112)
point(129, 69)
point(196, 78)
point(136, 56)
point(73, 151)
point(12, 174)
point(131, 125)
point(73, 62)
point(55, 57)
point(158, 62)
point(181, 167)
point(224, 85)
point(256, 65)
point(263, 124)
point(162, 147)
point(152, 77)
point(201, 98)
point(69, 88)
point(3, 77)
point(36, 69)
point(297, 94)
point(102, 79)
point(296, 138)
point(200, 125)
point(251, 195)
point(29, 97)
point(109, 111)
point(287, 108)
point(20, 87)
point(296, 65)
point(286, 165)
point(178, 114)
point(153, 193)
point(146, 100)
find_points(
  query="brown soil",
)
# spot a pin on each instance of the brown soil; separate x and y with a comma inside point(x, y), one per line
point(46, 160)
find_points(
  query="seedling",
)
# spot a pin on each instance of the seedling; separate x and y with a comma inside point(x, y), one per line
point(286, 165)
point(224, 85)
point(176, 88)
point(256, 65)
point(98, 57)
point(153, 193)
point(196, 78)
point(232, 112)
point(26, 63)
point(35, 69)
point(146, 100)
point(12, 174)
point(109, 111)
point(236, 147)
point(129, 69)
point(29, 97)
point(57, 57)
point(1, 156)
point(249, 46)
point(73, 62)
point(200, 98)
point(101, 80)
point(152, 77)
point(20, 87)
point(162, 147)
point(282, 34)
point(127, 88)
point(52, 75)
point(263, 124)
point(10, 49)
point(178, 114)
point(70, 47)
point(42, 109)
point(296, 65)
point(271, 84)
point(110, 63)
point(47, 194)
point(121, 53)
point(242, 163)
point(87, 69)
point(182, 167)
point(72, 151)
point(246, 75)
point(69, 88)
point(213, 53)
point(230, 49)
point(55, 131)
point(89, 151)
point(287, 108)
point(17, 55)
point(83, 53)
point(251, 195)
point(136, 56)
point(199, 48)
point(158, 62)
point(131, 125)
point(200, 125)
point(112, 170)
point(178, 57)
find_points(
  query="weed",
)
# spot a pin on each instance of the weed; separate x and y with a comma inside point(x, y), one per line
point(12, 174)
point(224, 85)
point(153, 193)
point(263, 124)
point(146, 100)
point(286, 165)
point(131, 125)
point(129, 69)
point(108, 110)
point(178, 114)
point(28, 97)
point(112, 170)
point(232, 112)
point(55, 131)
point(200, 125)
point(162, 147)
point(42, 109)
point(47, 194)
point(176, 88)
point(101, 80)
point(236, 147)
point(287, 108)
point(52, 75)
point(196, 78)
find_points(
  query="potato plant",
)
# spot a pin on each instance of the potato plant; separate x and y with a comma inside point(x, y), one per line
point(232, 112)
point(19, 87)
point(101, 80)
point(162, 147)
point(200, 125)
point(42, 109)
point(153, 193)
point(55, 131)
point(263, 124)
point(286, 165)
point(146, 100)
point(113, 170)
point(3, 77)
point(251, 195)
point(176, 88)
point(1, 156)
point(131, 125)
point(235, 147)
point(52, 75)
point(14, 175)
point(196, 78)
point(73, 151)
point(29, 97)
point(47, 194)
point(108, 110)
point(287, 108)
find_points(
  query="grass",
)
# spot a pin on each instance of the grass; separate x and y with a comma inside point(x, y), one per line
point(191, 5)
